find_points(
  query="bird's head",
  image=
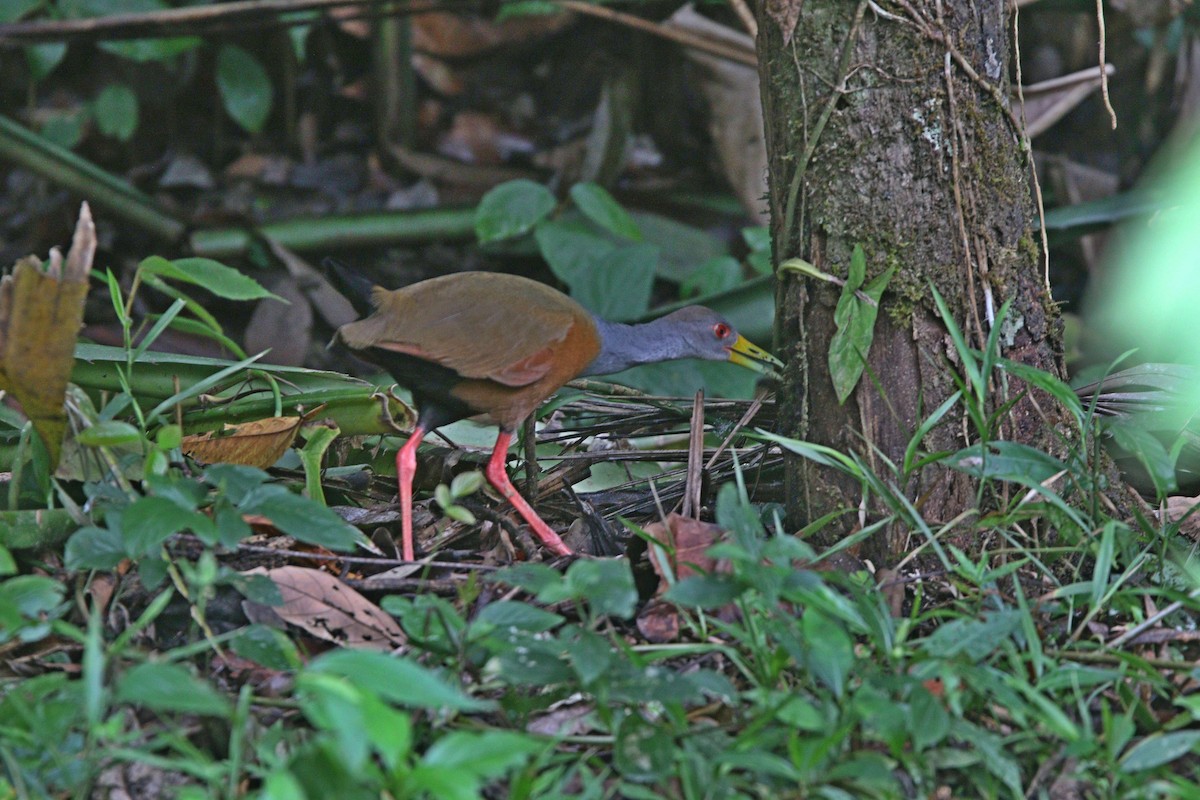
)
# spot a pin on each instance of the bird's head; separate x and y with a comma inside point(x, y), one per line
point(708, 335)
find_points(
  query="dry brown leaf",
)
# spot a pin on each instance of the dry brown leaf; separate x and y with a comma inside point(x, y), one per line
point(328, 609)
point(259, 443)
point(1177, 507)
point(735, 109)
point(689, 538)
point(41, 312)
point(659, 622)
point(686, 539)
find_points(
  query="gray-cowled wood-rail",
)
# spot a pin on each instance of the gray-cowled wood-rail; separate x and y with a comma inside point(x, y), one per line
point(488, 343)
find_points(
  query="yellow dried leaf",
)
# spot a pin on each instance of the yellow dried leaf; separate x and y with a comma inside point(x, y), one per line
point(41, 312)
point(255, 444)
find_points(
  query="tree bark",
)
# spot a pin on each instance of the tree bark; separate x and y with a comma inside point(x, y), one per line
point(888, 127)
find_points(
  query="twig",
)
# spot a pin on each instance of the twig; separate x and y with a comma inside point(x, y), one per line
point(685, 38)
point(174, 21)
point(1104, 72)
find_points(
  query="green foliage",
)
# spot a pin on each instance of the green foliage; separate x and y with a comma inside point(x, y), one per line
point(609, 259)
point(464, 484)
point(116, 111)
point(855, 320)
point(245, 87)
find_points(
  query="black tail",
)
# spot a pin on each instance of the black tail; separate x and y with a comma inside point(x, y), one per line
point(351, 284)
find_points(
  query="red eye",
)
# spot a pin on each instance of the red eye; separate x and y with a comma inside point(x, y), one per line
point(722, 330)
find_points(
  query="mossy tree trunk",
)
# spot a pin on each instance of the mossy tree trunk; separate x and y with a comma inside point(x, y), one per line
point(888, 128)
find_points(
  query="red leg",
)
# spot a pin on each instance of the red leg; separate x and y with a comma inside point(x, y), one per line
point(406, 468)
point(498, 477)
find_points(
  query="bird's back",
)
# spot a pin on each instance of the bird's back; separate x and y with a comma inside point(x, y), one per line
point(507, 338)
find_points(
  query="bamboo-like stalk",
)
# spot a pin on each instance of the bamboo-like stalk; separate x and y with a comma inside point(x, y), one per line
point(333, 233)
point(99, 187)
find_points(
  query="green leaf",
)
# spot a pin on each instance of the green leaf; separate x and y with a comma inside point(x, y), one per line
point(266, 646)
point(170, 687)
point(65, 128)
point(116, 111)
point(512, 209)
point(830, 650)
point(13, 10)
point(643, 752)
point(109, 433)
point(855, 321)
point(705, 591)
point(8, 566)
point(211, 275)
point(43, 58)
point(714, 275)
point(601, 208)
point(930, 722)
point(618, 287)
point(145, 50)
point(571, 248)
point(533, 578)
point(245, 87)
point(1158, 749)
point(510, 613)
point(605, 584)
point(484, 755)
point(301, 517)
point(148, 521)
point(976, 638)
point(397, 680)
point(94, 548)
point(466, 484)
point(1006, 461)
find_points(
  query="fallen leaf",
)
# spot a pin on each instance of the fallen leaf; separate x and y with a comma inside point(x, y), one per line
point(259, 443)
point(283, 327)
point(659, 622)
point(41, 312)
point(690, 539)
point(1177, 508)
point(735, 109)
point(328, 609)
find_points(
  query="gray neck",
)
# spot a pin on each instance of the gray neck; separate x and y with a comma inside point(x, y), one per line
point(623, 346)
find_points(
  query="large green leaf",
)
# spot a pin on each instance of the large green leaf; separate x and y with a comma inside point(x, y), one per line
point(601, 208)
point(618, 287)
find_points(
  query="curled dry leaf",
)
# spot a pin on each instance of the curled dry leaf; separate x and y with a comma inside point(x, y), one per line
point(328, 609)
point(259, 443)
point(1178, 508)
point(690, 538)
point(686, 540)
point(41, 312)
